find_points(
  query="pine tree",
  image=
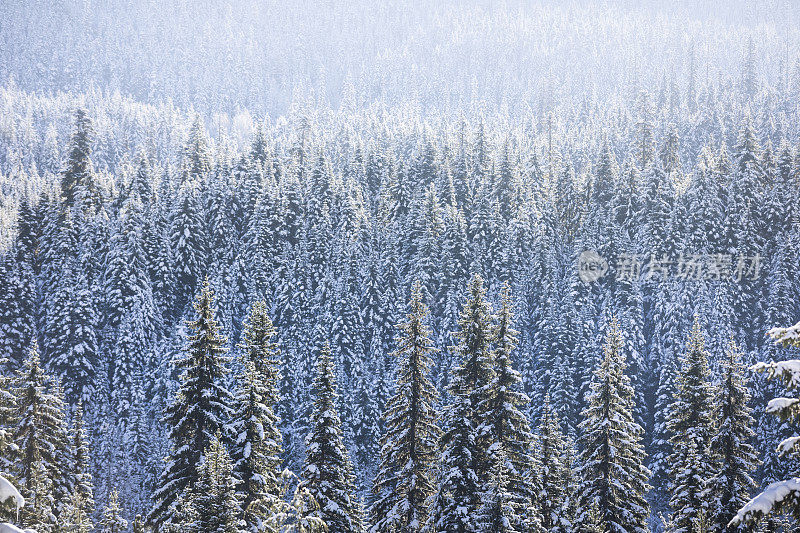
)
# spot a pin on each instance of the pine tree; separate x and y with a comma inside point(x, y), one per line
point(473, 378)
point(499, 513)
point(214, 494)
point(465, 460)
point(553, 498)
point(187, 242)
point(731, 486)
point(73, 347)
point(40, 434)
point(327, 472)
point(257, 448)
point(81, 503)
point(612, 472)
point(256, 451)
point(691, 427)
point(112, 521)
point(39, 512)
point(779, 497)
point(77, 181)
point(408, 447)
point(202, 406)
point(506, 427)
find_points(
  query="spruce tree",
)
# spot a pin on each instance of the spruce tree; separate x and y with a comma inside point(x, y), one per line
point(732, 484)
point(112, 521)
point(473, 377)
point(409, 445)
point(82, 498)
point(779, 497)
point(613, 476)
point(40, 432)
point(327, 472)
point(256, 451)
point(77, 181)
point(691, 428)
point(214, 494)
point(506, 427)
point(465, 461)
point(500, 512)
point(553, 498)
point(202, 406)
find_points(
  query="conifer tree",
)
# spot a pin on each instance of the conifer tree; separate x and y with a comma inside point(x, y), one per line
point(187, 242)
point(506, 427)
point(202, 406)
point(731, 486)
point(214, 494)
point(40, 433)
point(73, 517)
point(77, 181)
point(475, 374)
point(256, 451)
point(499, 513)
point(554, 493)
point(465, 461)
point(82, 497)
point(327, 472)
point(73, 348)
point(779, 497)
point(112, 521)
point(39, 512)
point(691, 427)
point(612, 472)
point(408, 447)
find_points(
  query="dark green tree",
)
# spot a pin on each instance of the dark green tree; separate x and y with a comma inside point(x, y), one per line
point(327, 471)
point(731, 486)
point(691, 426)
point(613, 476)
point(202, 406)
point(257, 449)
point(409, 445)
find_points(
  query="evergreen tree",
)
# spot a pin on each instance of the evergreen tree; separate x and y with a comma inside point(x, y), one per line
point(691, 427)
point(82, 501)
point(257, 449)
point(779, 497)
point(499, 513)
point(73, 346)
point(612, 472)
point(214, 494)
point(201, 407)
point(327, 472)
point(465, 460)
point(405, 482)
point(731, 486)
point(472, 379)
point(553, 498)
point(506, 427)
point(77, 181)
point(40, 437)
point(112, 521)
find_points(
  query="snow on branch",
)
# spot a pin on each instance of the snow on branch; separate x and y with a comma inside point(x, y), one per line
point(776, 496)
point(787, 371)
point(786, 336)
point(9, 492)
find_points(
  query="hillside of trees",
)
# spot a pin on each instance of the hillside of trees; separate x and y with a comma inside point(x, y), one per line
point(279, 282)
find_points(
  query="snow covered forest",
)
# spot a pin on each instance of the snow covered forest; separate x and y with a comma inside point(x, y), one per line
point(375, 266)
